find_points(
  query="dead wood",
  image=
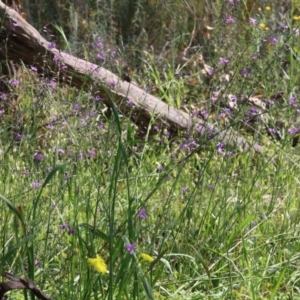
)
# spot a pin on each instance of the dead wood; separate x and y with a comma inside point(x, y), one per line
point(16, 283)
point(19, 41)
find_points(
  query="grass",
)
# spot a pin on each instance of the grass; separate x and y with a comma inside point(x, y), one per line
point(219, 224)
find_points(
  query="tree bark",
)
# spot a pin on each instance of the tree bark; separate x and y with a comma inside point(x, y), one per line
point(19, 41)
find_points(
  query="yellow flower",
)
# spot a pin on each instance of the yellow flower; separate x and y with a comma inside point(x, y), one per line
point(147, 257)
point(98, 263)
point(268, 8)
point(262, 25)
point(296, 18)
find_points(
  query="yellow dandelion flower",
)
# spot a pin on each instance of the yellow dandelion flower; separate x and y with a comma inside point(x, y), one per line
point(98, 263)
point(259, 9)
point(296, 18)
point(263, 25)
point(268, 7)
point(147, 257)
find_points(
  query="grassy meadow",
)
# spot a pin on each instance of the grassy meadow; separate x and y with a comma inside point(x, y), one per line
point(91, 210)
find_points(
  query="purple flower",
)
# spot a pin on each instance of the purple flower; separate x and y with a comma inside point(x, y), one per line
point(130, 248)
point(49, 169)
point(199, 128)
point(91, 153)
point(1, 112)
point(14, 82)
point(223, 60)
point(296, 32)
point(34, 69)
point(245, 72)
point(284, 26)
point(185, 190)
point(252, 21)
point(55, 58)
point(3, 96)
point(51, 45)
point(192, 144)
point(19, 136)
point(156, 128)
point(112, 84)
point(273, 40)
point(254, 111)
point(37, 263)
point(63, 226)
point(166, 133)
point(98, 98)
point(36, 184)
point(220, 147)
point(256, 147)
point(38, 156)
point(184, 147)
point(270, 102)
point(293, 102)
point(51, 83)
point(71, 231)
point(142, 214)
point(99, 43)
point(129, 103)
point(271, 130)
point(204, 114)
point(215, 96)
point(230, 20)
point(100, 56)
point(293, 130)
point(160, 168)
point(49, 126)
point(233, 98)
point(63, 67)
point(254, 57)
point(77, 106)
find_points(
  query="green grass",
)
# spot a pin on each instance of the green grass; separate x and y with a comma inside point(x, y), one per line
point(221, 223)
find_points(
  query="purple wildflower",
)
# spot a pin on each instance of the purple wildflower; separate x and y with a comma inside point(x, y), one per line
point(77, 106)
point(192, 144)
point(100, 56)
point(49, 126)
point(19, 136)
point(271, 130)
point(293, 102)
point(204, 114)
point(3, 96)
point(160, 168)
point(252, 21)
point(34, 69)
point(99, 43)
point(270, 102)
point(129, 103)
point(51, 83)
point(256, 147)
point(142, 214)
point(167, 133)
point(273, 40)
point(36, 184)
point(38, 156)
point(37, 264)
point(55, 58)
point(296, 32)
point(293, 130)
point(14, 82)
point(284, 26)
point(112, 84)
point(156, 128)
point(230, 20)
point(1, 112)
point(130, 248)
point(71, 231)
point(63, 226)
point(215, 96)
point(254, 111)
point(98, 98)
point(223, 60)
point(185, 190)
point(245, 72)
point(220, 147)
point(91, 153)
point(51, 45)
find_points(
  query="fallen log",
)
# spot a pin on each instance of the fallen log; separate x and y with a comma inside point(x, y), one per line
point(17, 283)
point(19, 41)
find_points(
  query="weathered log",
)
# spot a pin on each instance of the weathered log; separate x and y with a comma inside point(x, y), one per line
point(20, 41)
point(17, 283)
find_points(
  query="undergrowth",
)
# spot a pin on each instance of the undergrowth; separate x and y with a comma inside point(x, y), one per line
point(91, 211)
